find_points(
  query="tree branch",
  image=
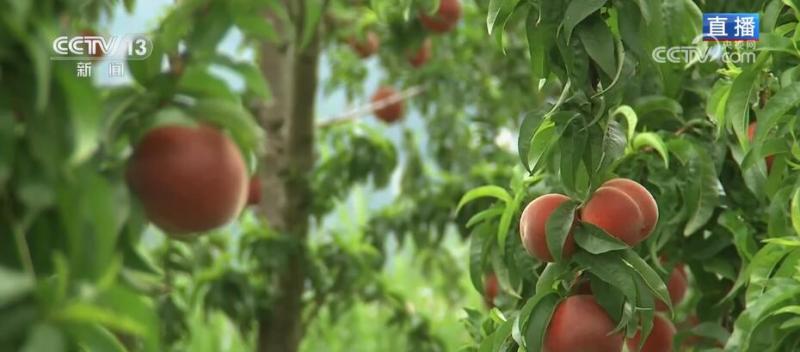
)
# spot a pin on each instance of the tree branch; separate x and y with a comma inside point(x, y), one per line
point(367, 109)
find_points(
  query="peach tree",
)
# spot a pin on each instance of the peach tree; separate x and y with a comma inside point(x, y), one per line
point(572, 82)
point(90, 266)
point(713, 141)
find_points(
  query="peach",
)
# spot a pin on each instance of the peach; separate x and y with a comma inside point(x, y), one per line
point(421, 55)
point(532, 225)
point(445, 18)
point(580, 324)
point(367, 46)
point(676, 286)
point(616, 212)
point(659, 340)
point(188, 179)
point(642, 197)
point(390, 111)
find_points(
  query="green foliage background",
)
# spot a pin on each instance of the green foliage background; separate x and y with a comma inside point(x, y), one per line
point(572, 80)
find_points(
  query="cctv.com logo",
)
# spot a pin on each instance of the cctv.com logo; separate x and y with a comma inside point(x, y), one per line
point(88, 47)
point(704, 48)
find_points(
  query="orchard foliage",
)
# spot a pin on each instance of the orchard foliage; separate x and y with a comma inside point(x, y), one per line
point(679, 129)
point(572, 81)
point(81, 269)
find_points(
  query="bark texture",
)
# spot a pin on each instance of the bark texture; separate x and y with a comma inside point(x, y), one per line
point(289, 124)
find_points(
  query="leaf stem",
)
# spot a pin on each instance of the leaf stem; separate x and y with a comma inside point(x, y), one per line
point(24, 250)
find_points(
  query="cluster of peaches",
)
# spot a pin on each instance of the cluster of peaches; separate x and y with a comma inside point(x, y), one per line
point(627, 211)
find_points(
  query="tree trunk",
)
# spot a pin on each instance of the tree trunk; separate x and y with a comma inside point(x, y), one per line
point(289, 125)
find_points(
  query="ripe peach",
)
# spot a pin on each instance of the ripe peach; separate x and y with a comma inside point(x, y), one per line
point(367, 46)
point(660, 338)
point(254, 191)
point(676, 286)
point(445, 19)
point(582, 285)
point(532, 227)
point(491, 290)
point(642, 197)
point(392, 111)
point(579, 324)
point(188, 179)
point(615, 212)
point(422, 54)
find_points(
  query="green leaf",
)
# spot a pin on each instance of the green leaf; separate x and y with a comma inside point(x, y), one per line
point(712, 331)
point(648, 275)
point(599, 44)
point(610, 268)
point(197, 81)
point(93, 337)
point(484, 191)
point(742, 238)
point(614, 143)
point(42, 66)
point(570, 149)
point(128, 304)
point(499, 12)
point(644, 9)
point(558, 227)
point(494, 341)
point(608, 297)
point(539, 319)
point(44, 337)
point(250, 73)
point(701, 192)
point(234, 118)
point(757, 312)
point(478, 253)
point(13, 284)
point(540, 41)
point(548, 135)
point(630, 116)
point(484, 216)
point(8, 147)
point(577, 11)
point(784, 241)
point(84, 110)
point(521, 321)
point(653, 140)
point(716, 103)
point(311, 19)
point(762, 268)
point(92, 314)
point(795, 211)
point(530, 124)
point(145, 71)
point(253, 25)
point(737, 109)
point(129, 4)
point(505, 224)
point(550, 275)
point(596, 241)
point(656, 103)
point(786, 99)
